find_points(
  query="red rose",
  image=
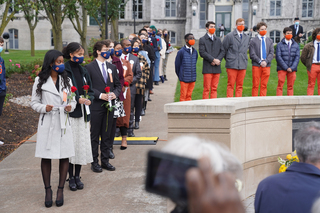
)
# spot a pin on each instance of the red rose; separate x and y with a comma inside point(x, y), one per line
point(73, 89)
point(151, 44)
point(107, 89)
point(86, 87)
point(169, 45)
point(126, 84)
point(158, 39)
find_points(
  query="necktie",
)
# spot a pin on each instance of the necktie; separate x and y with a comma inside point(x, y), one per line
point(125, 58)
point(105, 77)
point(264, 52)
point(318, 55)
point(240, 36)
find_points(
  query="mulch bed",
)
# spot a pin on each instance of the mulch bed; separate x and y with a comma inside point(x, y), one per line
point(17, 123)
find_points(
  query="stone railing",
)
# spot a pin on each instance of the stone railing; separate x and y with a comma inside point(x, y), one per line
point(256, 129)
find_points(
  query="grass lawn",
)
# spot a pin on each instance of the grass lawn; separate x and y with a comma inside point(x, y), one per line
point(22, 56)
point(300, 85)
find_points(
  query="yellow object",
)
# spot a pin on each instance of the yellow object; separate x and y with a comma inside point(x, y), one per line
point(295, 158)
point(289, 157)
point(282, 168)
point(137, 138)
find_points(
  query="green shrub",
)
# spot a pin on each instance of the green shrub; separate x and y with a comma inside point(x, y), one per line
point(13, 68)
point(29, 67)
point(6, 99)
point(91, 44)
point(309, 39)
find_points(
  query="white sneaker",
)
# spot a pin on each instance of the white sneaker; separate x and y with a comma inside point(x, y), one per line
point(1, 143)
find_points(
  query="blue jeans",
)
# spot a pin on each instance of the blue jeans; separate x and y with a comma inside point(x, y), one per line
point(156, 67)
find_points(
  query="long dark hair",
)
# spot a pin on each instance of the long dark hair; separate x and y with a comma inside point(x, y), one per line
point(315, 33)
point(50, 58)
point(71, 48)
point(166, 38)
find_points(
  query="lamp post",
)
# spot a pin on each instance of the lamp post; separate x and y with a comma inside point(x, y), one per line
point(106, 19)
point(6, 36)
point(254, 12)
point(134, 16)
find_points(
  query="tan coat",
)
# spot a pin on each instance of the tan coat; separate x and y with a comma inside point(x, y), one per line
point(307, 55)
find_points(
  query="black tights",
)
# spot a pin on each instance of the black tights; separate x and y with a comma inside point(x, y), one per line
point(77, 169)
point(46, 174)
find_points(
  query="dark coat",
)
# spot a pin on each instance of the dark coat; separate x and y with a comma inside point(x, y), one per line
point(3, 86)
point(292, 191)
point(255, 51)
point(186, 65)
point(98, 84)
point(210, 50)
point(116, 61)
point(284, 61)
point(236, 50)
point(136, 70)
point(77, 113)
point(307, 55)
point(295, 35)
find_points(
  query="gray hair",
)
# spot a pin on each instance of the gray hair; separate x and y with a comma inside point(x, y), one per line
point(307, 142)
point(316, 206)
point(220, 157)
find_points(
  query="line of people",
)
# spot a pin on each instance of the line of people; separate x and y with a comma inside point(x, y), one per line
point(111, 92)
point(234, 50)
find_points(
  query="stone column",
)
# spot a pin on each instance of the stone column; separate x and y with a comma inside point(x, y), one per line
point(195, 19)
point(237, 10)
point(211, 10)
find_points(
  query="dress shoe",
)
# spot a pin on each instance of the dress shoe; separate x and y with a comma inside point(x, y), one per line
point(162, 79)
point(151, 92)
point(156, 83)
point(79, 184)
point(143, 112)
point(165, 77)
point(108, 167)
point(123, 147)
point(136, 125)
point(130, 134)
point(110, 153)
point(72, 184)
point(60, 202)
point(149, 99)
point(48, 203)
point(117, 134)
point(96, 167)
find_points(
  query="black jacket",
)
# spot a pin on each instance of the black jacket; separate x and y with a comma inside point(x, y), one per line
point(77, 113)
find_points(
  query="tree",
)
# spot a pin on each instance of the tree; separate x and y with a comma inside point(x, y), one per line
point(31, 11)
point(79, 20)
point(8, 14)
point(114, 7)
point(56, 12)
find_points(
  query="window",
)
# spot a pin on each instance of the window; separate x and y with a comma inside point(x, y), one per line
point(93, 22)
point(52, 43)
point(203, 14)
point(172, 37)
point(170, 8)
point(275, 8)
point(245, 12)
point(13, 39)
point(307, 8)
point(137, 9)
point(121, 10)
point(120, 35)
point(275, 36)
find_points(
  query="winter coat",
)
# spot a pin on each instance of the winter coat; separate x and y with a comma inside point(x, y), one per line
point(186, 65)
point(210, 50)
point(3, 86)
point(307, 55)
point(54, 136)
point(284, 61)
point(236, 50)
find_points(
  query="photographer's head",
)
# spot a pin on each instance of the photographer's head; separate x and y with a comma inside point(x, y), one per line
point(307, 143)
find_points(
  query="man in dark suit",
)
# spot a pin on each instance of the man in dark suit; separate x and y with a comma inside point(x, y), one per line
point(212, 52)
point(136, 70)
point(102, 75)
point(297, 30)
point(296, 189)
point(261, 53)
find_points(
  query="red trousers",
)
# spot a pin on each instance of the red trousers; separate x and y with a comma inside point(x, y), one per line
point(186, 90)
point(210, 81)
point(313, 75)
point(291, 77)
point(235, 76)
point(260, 73)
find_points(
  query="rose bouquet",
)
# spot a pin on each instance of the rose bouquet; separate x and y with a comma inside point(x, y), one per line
point(86, 96)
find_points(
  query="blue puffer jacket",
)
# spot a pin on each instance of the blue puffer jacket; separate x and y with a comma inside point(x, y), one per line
point(3, 86)
point(284, 61)
point(186, 65)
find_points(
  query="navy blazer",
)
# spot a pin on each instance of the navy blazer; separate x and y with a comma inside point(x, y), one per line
point(293, 191)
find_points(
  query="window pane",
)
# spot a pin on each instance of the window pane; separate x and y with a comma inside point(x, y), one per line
point(167, 5)
point(278, 4)
point(304, 13)
point(167, 13)
point(310, 13)
point(202, 7)
point(173, 13)
point(277, 39)
point(140, 1)
point(278, 33)
point(304, 6)
point(272, 33)
point(272, 4)
point(278, 12)
point(271, 12)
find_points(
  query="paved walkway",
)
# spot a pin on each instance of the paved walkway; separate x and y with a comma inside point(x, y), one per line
point(21, 186)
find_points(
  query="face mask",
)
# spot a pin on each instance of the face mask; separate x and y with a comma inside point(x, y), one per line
point(192, 42)
point(297, 23)
point(288, 37)
point(128, 49)
point(106, 55)
point(240, 28)
point(153, 32)
point(318, 37)
point(78, 60)
point(144, 41)
point(263, 32)
point(212, 30)
point(149, 33)
point(135, 49)
point(1, 48)
point(165, 34)
point(118, 53)
point(58, 68)
point(111, 51)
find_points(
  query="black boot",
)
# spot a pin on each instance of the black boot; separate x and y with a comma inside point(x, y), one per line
point(136, 125)
point(165, 77)
point(117, 132)
point(72, 184)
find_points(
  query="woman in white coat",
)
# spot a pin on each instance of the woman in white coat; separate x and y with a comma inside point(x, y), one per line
point(54, 136)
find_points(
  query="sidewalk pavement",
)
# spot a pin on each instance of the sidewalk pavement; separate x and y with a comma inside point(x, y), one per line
point(22, 190)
